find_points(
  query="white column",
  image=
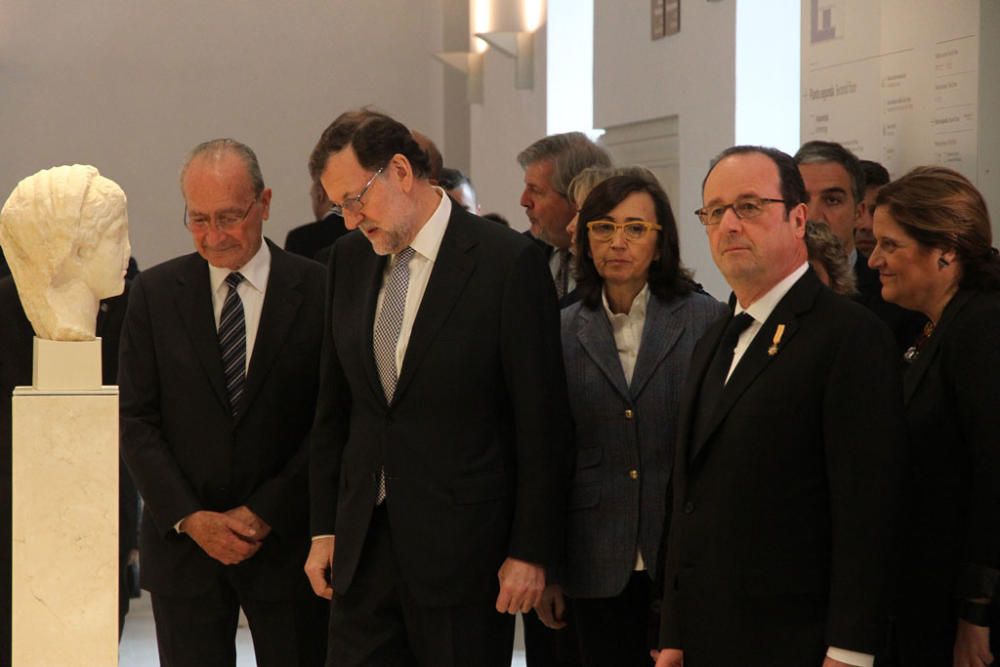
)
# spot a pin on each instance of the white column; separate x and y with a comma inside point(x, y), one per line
point(65, 511)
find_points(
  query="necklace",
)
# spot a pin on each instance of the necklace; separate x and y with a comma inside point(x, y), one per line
point(914, 350)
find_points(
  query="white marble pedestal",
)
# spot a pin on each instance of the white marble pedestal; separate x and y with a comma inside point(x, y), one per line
point(65, 511)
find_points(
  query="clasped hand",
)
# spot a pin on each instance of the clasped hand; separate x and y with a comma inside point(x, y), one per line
point(230, 537)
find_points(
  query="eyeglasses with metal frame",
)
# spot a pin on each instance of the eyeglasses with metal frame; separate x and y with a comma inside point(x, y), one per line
point(223, 221)
point(354, 204)
point(633, 230)
point(745, 208)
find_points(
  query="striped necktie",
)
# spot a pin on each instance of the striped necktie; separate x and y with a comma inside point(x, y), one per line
point(233, 343)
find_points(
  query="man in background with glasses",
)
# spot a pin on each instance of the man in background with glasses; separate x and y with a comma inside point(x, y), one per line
point(438, 459)
point(786, 485)
point(218, 375)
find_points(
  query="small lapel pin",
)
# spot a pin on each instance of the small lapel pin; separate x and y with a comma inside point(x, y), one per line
point(776, 341)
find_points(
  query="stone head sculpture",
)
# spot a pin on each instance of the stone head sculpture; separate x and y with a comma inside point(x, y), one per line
point(65, 234)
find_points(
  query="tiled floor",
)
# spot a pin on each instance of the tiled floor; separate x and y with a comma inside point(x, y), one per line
point(138, 647)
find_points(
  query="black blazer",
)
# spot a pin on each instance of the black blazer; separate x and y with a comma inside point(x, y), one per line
point(309, 239)
point(780, 542)
point(179, 438)
point(474, 446)
point(951, 540)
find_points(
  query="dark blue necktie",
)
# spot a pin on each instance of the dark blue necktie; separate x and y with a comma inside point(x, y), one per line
point(233, 343)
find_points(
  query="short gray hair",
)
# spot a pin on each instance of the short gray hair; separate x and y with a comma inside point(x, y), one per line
point(217, 147)
point(570, 153)
point(814, 152)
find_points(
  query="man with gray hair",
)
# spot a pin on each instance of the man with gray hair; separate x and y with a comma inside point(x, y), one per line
point(219, 374)
point(549, 165)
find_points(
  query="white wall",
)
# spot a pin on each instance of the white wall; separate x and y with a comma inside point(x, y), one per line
point(130, 86)
point(689, 75)
point(506, 122)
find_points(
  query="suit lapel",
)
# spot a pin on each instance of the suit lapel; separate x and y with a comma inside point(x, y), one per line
point(758, 356)
point(659, 335)
point(194, 304)
point(450, 272)
point(701, 359)
point(597, 340)
point(913, 375)
point(282, 299)
point(371, 274)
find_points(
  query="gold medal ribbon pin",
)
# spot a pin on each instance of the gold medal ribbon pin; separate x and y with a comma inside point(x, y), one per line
point(778, 333)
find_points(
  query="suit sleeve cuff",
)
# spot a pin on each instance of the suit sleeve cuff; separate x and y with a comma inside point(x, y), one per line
point(850, 657)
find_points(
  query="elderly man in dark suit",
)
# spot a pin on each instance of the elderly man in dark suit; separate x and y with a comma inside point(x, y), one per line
point(786, 484)
point(438, 457)
point(218, 375)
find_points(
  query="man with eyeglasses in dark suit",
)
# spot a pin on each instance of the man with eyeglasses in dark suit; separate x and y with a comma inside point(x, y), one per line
point(218, 377)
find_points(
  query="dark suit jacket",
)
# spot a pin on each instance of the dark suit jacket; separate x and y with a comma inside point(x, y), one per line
point(474, 444)
point(951, 541)
point(619, 428)
point(780, 542)
point(179, 438)
point(309, 239)
point(905, 325)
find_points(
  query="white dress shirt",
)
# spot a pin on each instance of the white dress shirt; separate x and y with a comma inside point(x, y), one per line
point(760, 310)
point(251, 291)
point(425, 244)
point(627, 330)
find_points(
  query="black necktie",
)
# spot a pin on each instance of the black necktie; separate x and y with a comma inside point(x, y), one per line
point(715, 377)
point(233, 343)
point(562, 273)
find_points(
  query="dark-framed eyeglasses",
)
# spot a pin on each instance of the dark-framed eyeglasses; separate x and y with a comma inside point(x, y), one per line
point(224, 221)
point(355, 203)
point(633, 230)
point(745, 208)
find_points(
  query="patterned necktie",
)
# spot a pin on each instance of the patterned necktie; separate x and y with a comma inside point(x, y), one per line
point(233, 343)
point(562, 273)
point(386, 336)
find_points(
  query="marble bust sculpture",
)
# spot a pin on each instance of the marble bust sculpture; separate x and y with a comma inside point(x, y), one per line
point(65, 234)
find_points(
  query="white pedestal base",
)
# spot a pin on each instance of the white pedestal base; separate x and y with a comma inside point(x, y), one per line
point(65, 526)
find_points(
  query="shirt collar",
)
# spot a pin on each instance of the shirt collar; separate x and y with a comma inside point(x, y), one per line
point(852, 259)
point(638, 308)
point(254, 272)
point(427, 242)
point(762, 308)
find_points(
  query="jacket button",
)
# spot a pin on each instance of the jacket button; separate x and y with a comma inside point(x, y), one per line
point(633, 474)
point(628, 413)
point(688, 507)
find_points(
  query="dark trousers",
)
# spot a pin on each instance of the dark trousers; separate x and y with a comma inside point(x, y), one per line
point(618, 631)
point(544, 647)
point(201, 631)
point(377, 622)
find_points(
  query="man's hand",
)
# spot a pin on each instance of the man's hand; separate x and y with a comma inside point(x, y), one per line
point(521, 585)
point(972, 645)
point(551, 609)
point(668, 657)
point(225, 538)
point(319, 566)
point(246, 515)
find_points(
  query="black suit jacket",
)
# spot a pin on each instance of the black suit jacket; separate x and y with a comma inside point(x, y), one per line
point(309, 239)
point(185, 450)
point(780, 542)
point(905, 325)
point(951, 544)
point(474, 446)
